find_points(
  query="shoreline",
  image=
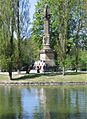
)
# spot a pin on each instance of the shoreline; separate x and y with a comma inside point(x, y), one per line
point(26, 83)
point(47, 79)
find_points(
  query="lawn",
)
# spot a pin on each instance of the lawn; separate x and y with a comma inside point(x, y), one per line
point(48, 77)
point(4, 77)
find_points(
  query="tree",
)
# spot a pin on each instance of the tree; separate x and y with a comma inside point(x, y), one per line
point(13, 16)
point(78, 17)
point(6, 36)
point(23, 21)
point(66, 27)
point(58, 27)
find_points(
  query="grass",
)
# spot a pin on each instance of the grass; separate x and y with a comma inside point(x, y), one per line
point(4, 77)
point(48, 77)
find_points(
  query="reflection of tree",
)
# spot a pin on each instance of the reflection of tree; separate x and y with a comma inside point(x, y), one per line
point(42, 102)
point(10, 103)
point(63, 103)
point(52, 105)
point(77, 103)
point(46, 103)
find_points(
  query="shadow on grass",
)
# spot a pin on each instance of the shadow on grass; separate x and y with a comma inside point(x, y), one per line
point(32, 76)
point(29, 76)
point(75, 73)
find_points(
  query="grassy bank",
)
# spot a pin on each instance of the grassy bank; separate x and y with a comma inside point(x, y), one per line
point(4, 77)
point(50, 77)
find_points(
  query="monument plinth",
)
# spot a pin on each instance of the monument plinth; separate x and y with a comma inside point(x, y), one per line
point(46, 54)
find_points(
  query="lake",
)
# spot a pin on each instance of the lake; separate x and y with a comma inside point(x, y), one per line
point(17, 102)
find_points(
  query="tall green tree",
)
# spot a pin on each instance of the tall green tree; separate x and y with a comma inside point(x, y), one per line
point(58, 25)
point(23, 21)
point(66, 27)
point(14, 20)
point(78, 16)
point(6, 35)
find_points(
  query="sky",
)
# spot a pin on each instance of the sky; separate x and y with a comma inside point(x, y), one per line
point(32, 8)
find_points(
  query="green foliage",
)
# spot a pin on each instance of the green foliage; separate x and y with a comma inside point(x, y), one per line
point(28, 52)
point(68, 32)
point(83, 60)
point(6, 35)
point(13, 21)
point(67, 28)
point(5, 58)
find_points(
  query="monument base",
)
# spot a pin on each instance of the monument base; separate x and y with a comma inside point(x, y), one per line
point(46, 54)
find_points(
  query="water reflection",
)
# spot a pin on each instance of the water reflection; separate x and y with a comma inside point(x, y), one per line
point(43, 103)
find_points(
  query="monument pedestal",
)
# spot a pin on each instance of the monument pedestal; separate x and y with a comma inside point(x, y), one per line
point(47, 55)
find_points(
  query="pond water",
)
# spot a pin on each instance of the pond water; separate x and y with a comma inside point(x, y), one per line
point(43, 102)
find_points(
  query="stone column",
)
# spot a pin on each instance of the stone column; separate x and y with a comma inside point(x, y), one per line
point(46, 54)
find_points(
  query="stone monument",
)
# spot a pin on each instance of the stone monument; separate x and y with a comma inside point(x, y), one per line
point(46, 54)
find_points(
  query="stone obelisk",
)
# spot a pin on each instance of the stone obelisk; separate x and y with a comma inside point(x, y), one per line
point(46, 54)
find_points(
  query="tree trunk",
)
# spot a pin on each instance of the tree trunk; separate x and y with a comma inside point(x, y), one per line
point(11, 58)
point(77, 43)
point(11, 45)
point(18, 36)
point(10, 74)
point(10, 69)
point(76, 68)
point(63, 71)
point(77, 52)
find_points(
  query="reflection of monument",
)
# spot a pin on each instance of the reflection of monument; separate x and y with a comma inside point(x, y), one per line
point(46, 54)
